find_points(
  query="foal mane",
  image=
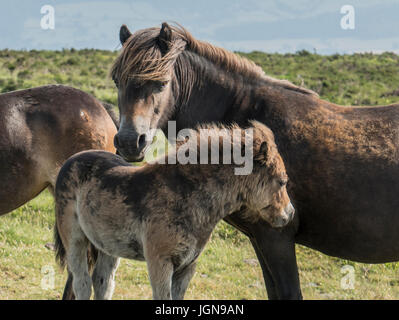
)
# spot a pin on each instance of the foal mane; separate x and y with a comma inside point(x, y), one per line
point(263, 149)
point(141, 59)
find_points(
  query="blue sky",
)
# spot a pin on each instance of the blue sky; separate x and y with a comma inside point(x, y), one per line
point(266, 25)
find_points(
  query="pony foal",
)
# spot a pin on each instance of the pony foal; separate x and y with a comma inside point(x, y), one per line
point(161, 213)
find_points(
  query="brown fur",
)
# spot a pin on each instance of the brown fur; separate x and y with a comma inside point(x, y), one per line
point(39, 129)
point(163, 213)
point(342, 160)
point(141, 61)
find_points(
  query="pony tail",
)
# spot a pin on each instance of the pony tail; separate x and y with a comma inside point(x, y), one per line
point(60, 257)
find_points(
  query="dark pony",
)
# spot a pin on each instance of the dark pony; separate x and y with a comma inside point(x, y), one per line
point(163, 64)
point(343, 161)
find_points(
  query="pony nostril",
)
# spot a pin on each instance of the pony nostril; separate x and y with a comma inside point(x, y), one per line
point(141, 141)
point(117, 142)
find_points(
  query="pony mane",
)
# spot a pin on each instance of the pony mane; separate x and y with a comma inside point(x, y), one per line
point(142, 60)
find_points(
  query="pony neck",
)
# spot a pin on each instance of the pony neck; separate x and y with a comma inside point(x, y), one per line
point(205, 92)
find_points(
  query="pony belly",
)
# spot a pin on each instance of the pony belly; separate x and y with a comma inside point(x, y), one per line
point(131, 249)
point(366, 238)
point(354, 251)
point(116, 246)
point(110, 229)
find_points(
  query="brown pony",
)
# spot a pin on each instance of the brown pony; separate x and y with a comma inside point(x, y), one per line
point(343, 161)
point(39, 129)
point(163, 213)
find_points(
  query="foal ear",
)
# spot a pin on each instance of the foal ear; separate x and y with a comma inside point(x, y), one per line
point(165, 38)
point(124, 34)
point(264, 149)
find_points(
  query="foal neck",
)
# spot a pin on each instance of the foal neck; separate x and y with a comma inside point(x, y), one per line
point(232, 192)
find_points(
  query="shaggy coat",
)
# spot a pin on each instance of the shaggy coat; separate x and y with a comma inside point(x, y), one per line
point(161, 213)
point(343, 161)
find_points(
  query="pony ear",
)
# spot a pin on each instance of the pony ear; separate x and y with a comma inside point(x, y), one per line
point(165, 38)
point(124, 34)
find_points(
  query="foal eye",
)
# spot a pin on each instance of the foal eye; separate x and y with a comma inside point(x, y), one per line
point(283, 182)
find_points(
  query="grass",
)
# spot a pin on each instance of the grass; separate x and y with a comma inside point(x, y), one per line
point(344, 79)
point(228, 268)
point(225, 270)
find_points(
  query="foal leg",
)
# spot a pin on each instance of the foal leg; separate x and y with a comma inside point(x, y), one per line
point(77, 265)
point(181, 280)
point(160, 271)
point(104, 275)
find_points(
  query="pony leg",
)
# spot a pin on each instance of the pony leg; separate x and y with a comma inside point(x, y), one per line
point(50, 188)
point(104, 275)
point(77, 265)
point(242, 225)
point(267, 276)
point(278, 252)
point(181, 280)
point(160, 272)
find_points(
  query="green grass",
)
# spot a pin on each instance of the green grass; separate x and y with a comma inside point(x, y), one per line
point(222, 273)
point(358, 79)
point(84, 69)
point(344, 79)
point(228, 268)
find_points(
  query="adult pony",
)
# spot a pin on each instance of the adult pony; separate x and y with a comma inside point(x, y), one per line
point(343, 161)
point(40, 128)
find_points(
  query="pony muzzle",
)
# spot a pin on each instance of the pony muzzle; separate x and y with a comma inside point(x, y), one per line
point(131, 147)
point(279, 219)
point(285, 217)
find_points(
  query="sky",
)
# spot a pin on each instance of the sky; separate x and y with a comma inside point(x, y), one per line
point(264, 25)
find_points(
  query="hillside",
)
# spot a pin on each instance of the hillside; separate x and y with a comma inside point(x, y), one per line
point(358, 79)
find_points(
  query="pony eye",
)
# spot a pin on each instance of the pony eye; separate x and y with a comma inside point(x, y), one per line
point(163, 84)
point(115, 81)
